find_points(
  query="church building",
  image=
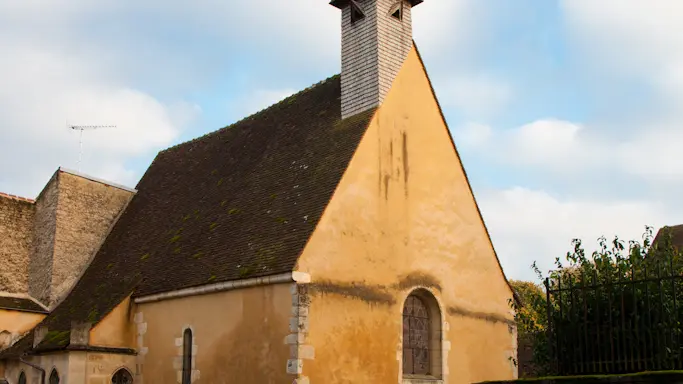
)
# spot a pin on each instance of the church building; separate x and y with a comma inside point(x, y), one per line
point(332, 238)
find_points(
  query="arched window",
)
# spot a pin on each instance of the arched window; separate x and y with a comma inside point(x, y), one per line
point(22, 378)
point(421, 335)
point(122, 376)
point(187, 356)
point(54, 377)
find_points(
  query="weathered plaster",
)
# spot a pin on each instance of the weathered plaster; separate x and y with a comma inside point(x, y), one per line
point(14, 324)
point(116, 329)
point(403, 216)
point(58, 361)
point(239, 332)
point(77, 367)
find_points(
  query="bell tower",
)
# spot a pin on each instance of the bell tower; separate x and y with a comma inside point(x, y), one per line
point(376, 38)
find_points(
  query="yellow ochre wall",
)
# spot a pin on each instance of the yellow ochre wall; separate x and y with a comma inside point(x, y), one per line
point(238, 336)
point(402, 217)
point(18, 322)
point(116, 329)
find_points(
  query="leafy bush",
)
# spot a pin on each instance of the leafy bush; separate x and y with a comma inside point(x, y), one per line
point(613, 312)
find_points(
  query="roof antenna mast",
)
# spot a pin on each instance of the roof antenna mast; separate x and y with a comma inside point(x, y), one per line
point(82, 128)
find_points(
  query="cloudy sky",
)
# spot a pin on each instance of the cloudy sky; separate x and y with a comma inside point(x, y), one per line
point(568, 113)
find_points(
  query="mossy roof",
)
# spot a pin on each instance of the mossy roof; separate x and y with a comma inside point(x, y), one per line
point(237, 203)
point(20, 304)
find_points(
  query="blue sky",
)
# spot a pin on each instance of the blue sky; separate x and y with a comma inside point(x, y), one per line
point(566, 112)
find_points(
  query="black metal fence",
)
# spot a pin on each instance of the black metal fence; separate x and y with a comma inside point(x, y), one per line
point(624, 321)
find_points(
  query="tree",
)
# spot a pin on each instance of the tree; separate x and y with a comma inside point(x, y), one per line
point(615, 311)
point(531, 318)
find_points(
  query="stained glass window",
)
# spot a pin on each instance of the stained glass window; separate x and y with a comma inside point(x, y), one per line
point(415, 337)
point(187, 356)
point(54, 377)
point(22, 378)
point(122, 376)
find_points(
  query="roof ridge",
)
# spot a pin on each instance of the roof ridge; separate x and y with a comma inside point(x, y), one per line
point(255, 114)
point(96, 179)
point(18, 198)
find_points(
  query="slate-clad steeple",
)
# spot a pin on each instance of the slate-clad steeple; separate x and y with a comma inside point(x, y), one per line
point(376, 38)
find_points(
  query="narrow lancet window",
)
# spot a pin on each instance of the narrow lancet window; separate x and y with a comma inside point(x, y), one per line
point(54, 377)
point(187, 356)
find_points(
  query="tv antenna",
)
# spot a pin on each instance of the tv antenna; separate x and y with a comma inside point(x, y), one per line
point(82, 128)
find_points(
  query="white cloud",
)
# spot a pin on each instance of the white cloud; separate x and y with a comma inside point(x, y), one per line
point(565, 148)
point(448, 24)
point(44, 88)
point(533, 225)
point(638, 38)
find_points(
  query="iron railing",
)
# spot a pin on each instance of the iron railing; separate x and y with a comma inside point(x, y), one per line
point(621, 322)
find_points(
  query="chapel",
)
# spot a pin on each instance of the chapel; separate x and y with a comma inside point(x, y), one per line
point(330, 238)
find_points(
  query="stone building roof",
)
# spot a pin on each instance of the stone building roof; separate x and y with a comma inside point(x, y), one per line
point(22, 304)
point(17, 198)
point(237, 203)
point(676, 233)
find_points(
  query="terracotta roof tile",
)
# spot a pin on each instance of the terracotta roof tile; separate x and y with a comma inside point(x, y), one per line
point(14, 197)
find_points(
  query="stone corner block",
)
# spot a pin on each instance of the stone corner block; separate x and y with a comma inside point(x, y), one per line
point(295, 366)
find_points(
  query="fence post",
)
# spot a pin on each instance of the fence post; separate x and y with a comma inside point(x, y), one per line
point(548, 330)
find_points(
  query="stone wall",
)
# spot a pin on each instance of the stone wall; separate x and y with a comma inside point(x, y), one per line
point(85, 213)
point(46, 244)
point(16, 218)
point(44, 225)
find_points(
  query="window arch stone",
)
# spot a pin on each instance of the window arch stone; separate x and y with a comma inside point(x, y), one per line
point(422, 337)
point(185, 359)
point(187, 356)
point(122, 376)
point(54, 377)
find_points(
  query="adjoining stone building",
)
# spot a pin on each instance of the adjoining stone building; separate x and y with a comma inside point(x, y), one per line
point(46, 243)
point(330, 238)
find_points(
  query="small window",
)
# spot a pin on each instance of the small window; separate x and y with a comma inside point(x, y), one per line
point(356, 12)
point(122, 376)
point(187, 356)
point(397, 11)
point(22, 378)
point(54, 377)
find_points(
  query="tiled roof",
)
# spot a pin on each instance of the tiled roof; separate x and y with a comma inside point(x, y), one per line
point(20, 304)
point(676, 233)
point(238, 203)
point(14, 197)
